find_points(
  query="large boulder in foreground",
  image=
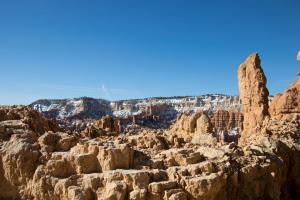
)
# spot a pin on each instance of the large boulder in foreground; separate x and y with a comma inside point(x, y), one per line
point(253, 94)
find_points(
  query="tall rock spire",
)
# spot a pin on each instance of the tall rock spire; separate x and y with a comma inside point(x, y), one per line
point(254, 95)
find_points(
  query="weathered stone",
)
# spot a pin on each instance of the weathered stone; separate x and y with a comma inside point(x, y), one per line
point(224, 120)
point(159, 187)
point(207, 187)
point(203, 124)
point(87, 163)
point(254, 95)
point(116, 158)
point(287, 105)
point(116, 190)
point(138, 194)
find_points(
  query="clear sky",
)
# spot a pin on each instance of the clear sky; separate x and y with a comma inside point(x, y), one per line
point(118, 49)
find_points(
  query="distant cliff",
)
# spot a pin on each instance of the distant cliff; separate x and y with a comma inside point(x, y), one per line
point(89, 108)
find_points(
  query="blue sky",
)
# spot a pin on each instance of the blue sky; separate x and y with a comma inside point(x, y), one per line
point(141, 48)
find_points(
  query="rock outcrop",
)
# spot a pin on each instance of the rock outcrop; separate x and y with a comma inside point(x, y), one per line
point(189, 125)
point(221, 125)
point(25, 115)
point(253, 94)
point(224, 120)
point(287, 104)
point(100, 169)
point(107, 125)
point(203, 124)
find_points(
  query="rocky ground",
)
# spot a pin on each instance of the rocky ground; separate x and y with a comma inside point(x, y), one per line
point(193, 159)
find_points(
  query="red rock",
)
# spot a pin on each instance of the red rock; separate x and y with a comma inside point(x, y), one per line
point(253, 94)
point(224, 120)
point(287, 104)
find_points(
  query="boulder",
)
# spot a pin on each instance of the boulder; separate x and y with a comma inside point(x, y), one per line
point(116, 190)
point(120, 157)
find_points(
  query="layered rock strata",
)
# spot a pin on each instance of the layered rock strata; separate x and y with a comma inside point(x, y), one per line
point(224, 120)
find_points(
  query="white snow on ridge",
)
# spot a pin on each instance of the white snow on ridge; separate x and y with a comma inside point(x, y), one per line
point(181, 105)
point(70, 107)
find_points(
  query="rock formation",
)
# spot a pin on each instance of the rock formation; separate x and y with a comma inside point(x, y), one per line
point(253, 94)
point(39, 162)
point(190, 125)
point(159, 112)
point(287, 103)
point(224, 120)
point(223, 125)
point(203, 124)
point(107, 125)
point(27, 116)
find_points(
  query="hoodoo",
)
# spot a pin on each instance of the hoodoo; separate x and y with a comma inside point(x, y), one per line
point(253, 94)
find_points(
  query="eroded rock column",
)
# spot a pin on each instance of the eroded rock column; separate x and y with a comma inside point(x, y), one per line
point(254, 95)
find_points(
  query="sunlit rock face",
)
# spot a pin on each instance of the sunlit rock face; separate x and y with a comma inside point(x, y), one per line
point(254, 95)
point(287, 104)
